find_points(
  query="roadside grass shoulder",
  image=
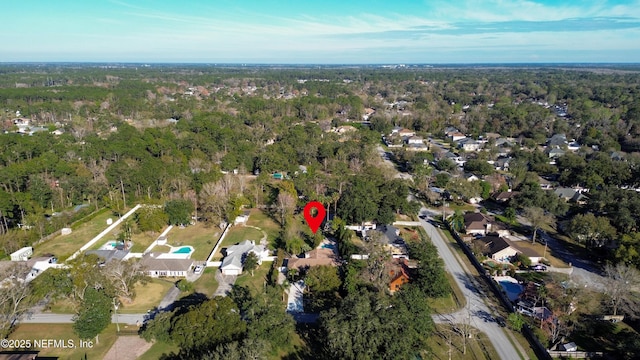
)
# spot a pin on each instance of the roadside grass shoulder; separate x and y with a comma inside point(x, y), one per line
point(64, 332)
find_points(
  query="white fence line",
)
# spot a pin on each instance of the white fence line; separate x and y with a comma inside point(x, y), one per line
point(103, 233)
point(215, 248)
point(406, 223)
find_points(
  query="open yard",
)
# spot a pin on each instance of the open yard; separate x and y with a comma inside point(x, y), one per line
point(142, 240)
point(147, 296)
point(63, 246)
point(64, 333)
point(235, 235)
point(207, 283)
point(267, 224)
point(539, 248)
point(256, 282)
point(203, 238)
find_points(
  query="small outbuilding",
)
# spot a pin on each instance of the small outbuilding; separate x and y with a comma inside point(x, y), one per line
point(23, 254)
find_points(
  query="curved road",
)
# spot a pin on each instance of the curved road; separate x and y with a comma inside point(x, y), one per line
point(477, 312)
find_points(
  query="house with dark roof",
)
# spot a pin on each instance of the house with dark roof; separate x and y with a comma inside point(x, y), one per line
point(477, 224)
point(505, 196)
point(572, 195)
point(497, 248)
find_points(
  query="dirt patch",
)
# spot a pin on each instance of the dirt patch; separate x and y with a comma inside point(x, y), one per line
point(127, 348)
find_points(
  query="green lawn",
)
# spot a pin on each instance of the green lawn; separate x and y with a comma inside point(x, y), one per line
point(64, 245)
point(450, 303)
point(142, 240)
point(478, 347)
point(147, 296)
point(207, 283)
point(256, 282)
point(157, 350)
point(238, 234)
point(65, 332)
point(267, 224)
point(203, 238)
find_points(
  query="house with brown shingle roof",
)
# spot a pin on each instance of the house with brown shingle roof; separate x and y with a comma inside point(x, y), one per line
point(156, 265)
point(316, 257)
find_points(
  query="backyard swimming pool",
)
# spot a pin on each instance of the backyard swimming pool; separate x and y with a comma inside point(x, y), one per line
point(183, 250)
point(511, 288)
point(328, 246)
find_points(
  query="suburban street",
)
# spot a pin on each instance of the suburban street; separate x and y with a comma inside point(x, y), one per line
point(477, 312)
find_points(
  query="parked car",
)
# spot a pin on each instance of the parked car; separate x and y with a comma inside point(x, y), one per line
point(198, 269)
point(539, 268)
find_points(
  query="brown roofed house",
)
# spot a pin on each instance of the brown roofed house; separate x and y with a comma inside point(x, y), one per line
point(316, 257)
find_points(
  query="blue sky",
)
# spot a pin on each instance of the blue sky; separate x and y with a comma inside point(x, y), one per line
point(327, 32)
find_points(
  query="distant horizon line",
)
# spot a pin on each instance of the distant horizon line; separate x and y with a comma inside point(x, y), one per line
point(381, 64)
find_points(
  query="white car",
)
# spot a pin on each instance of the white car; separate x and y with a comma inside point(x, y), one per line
point(198, 269)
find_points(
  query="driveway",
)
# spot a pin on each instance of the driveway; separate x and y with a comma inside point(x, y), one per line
point(225, 282)
point(477, 312)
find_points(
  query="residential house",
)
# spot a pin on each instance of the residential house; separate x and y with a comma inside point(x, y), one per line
point(469, 145)
point(557, 140)
point(415, 140)
point(110, 255)
point(456, 136)
point(235, 255)
point(555, 153)
point(406, 133)
point(39, 264)
point(477, 223)
point(316, 257)
point(505, 196)
point(533, 255)
point(450, 129)
point(470, 177)
point(503, 163)
point(390, 237)
point(400, 271)
point(345, 129)
point(496, 248)
point(572, 195)
point(156, 265)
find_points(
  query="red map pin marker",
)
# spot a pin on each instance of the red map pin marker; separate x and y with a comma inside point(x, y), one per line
point(314, 221)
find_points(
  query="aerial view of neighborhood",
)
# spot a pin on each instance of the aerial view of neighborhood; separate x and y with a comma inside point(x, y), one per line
point(335, 180)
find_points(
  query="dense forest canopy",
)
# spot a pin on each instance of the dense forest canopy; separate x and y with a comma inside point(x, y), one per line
point(114, 134)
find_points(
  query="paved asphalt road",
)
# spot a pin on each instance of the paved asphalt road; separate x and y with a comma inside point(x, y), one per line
point(481, 315)
point(46, 318)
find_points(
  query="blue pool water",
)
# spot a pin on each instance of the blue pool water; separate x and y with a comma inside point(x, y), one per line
point(328, 246)
point(183, 250)
point(512, 289)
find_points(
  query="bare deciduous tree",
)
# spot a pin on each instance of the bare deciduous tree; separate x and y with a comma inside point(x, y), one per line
point(622, 286)
point(14, 291)
point(124, 276)
point(285, 203)
point(537, 217)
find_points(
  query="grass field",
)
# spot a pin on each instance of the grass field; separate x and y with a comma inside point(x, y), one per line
point(256, 282)
point(147, 296)
point(64, 332)
point(201, 237)
point(235, 235)
point(157, 350)
point(142, 240)
point(207, 283)
point(267, 224)
point(445, 343)
point(63, 246)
